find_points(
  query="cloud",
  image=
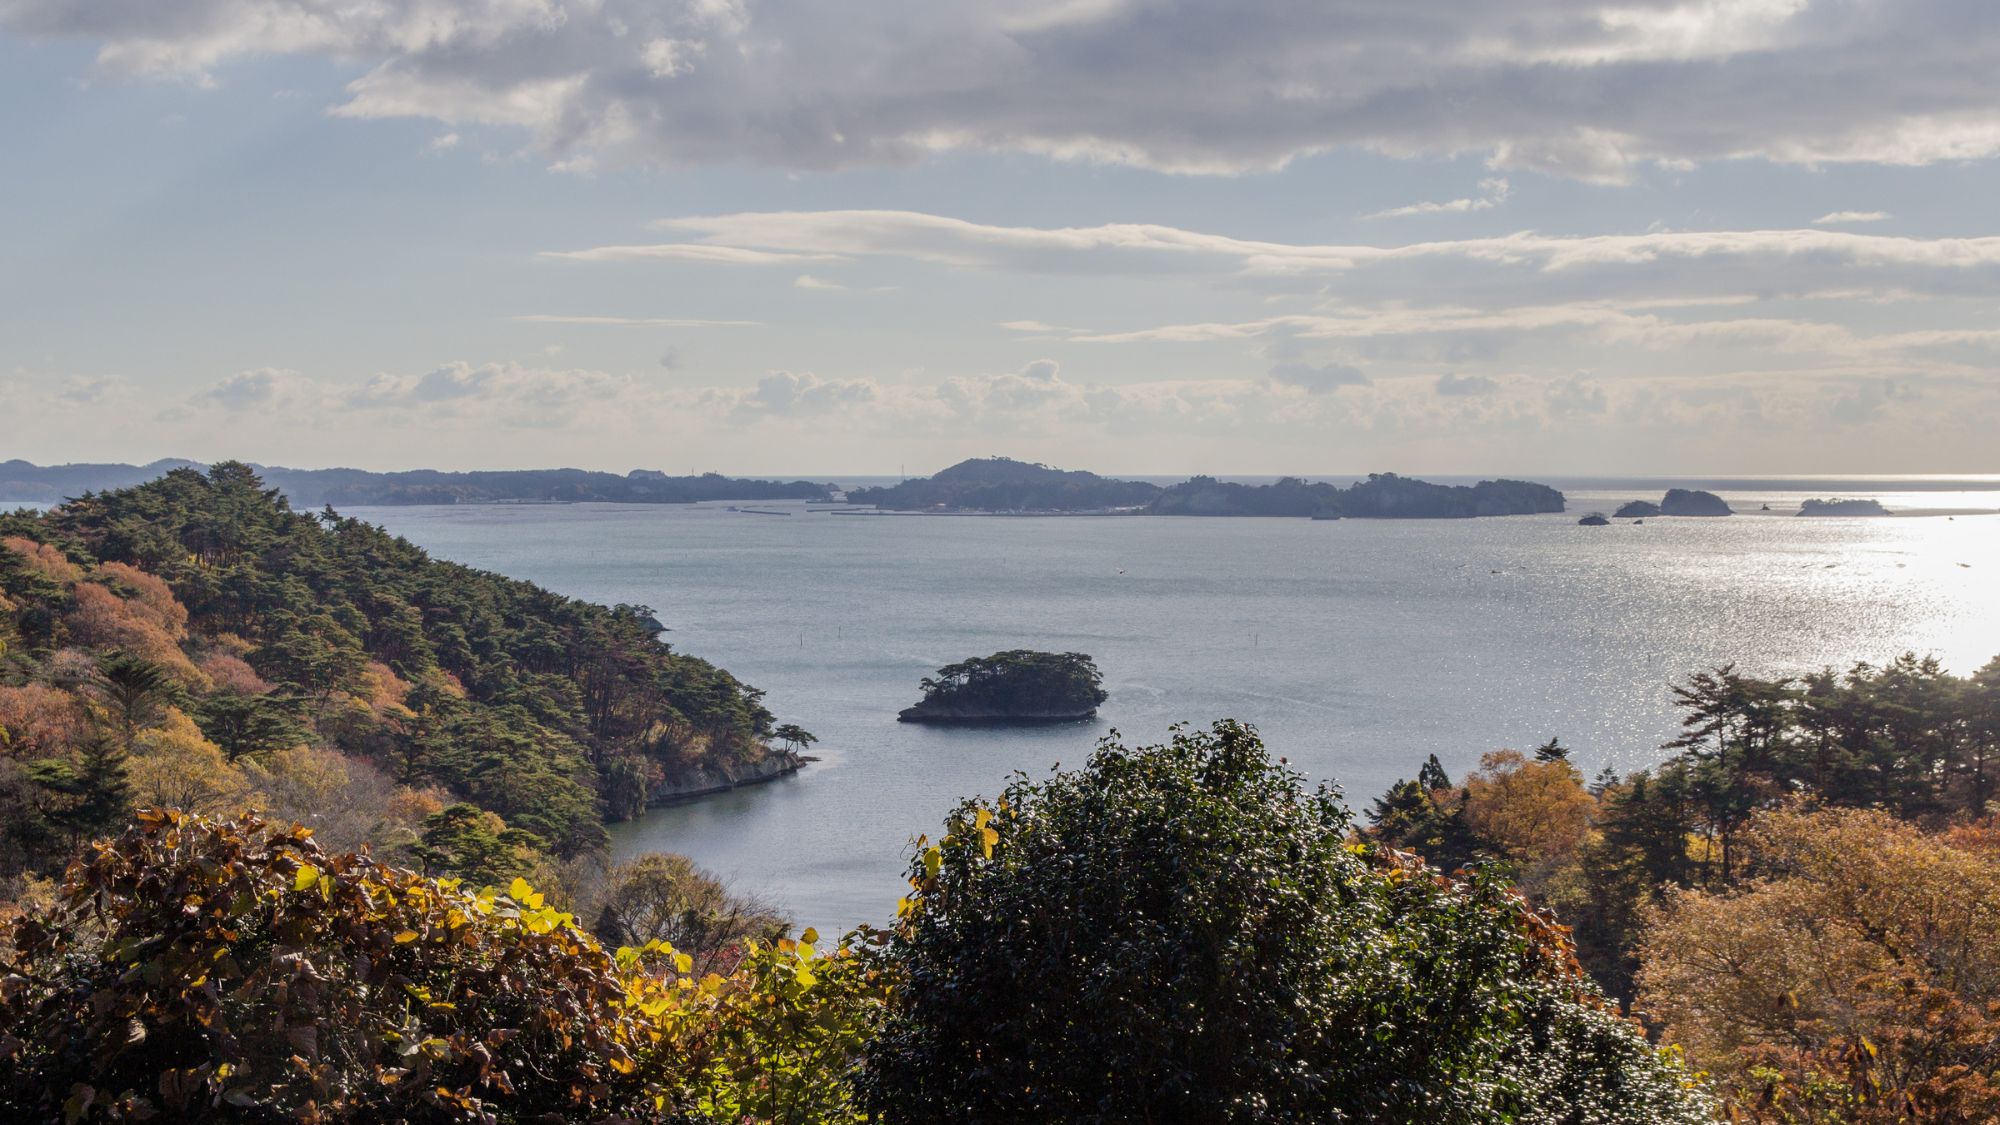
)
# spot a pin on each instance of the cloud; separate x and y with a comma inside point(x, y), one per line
point(1452, 385)
point(249, 390)
point(508, 394)
point(1592, 89)
point(1493, 192)
point(808, 281)
point(1840, 218)
point(1317, 379)
point(1654, 263)
point(784, 394)
point(1576, 395)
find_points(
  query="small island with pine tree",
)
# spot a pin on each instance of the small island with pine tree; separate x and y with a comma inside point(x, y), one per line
point(1017, 686)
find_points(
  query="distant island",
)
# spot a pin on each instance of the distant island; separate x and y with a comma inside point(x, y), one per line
point(1691, 502)
point(316, 488)
point(1843, 508)
point(1002, 484)
point(1381, 496)
point(1016, 686)
point(1636, 510)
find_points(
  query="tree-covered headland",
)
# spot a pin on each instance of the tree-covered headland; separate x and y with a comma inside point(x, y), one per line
point(194, 642)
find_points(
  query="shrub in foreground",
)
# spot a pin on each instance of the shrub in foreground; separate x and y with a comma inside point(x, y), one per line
point(1184, 933)
point(195, 970)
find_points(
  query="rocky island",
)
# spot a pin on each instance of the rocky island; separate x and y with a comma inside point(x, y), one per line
point(1636, 510)
point(1843, 508)
point(1691, 502)
point(1016, 686)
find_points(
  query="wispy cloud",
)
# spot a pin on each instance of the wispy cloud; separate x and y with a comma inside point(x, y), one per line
point(1492, 193)
point(1841, 218)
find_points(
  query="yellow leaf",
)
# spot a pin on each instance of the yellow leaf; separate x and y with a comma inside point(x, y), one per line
point(811, 935)
point(683, 963)
point(406, 936)
point(987, 838)
point(519, 890)
point(979, 820)
point(308, 875)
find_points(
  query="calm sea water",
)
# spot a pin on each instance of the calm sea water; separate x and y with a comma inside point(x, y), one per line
point(1356, 646)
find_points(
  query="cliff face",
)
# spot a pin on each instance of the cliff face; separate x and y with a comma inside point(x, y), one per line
point(707, 779)
point(978, 714)
point(1690, 502)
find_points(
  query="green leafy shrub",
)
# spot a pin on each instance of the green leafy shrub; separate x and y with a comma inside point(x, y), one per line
point(1184, 933)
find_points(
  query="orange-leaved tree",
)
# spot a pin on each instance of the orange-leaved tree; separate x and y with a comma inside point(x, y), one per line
point(1856, 978)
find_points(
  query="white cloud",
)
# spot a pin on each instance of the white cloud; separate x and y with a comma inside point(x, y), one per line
point(808, 281)
point(1841, 218)
point(1664, 262)
point(1492, 193)
point(1586, 88)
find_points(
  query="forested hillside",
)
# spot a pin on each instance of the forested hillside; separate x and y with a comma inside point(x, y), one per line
point(194, 642)
point(1805, 895)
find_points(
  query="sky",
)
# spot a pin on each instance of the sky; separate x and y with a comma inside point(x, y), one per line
point(1649, 237)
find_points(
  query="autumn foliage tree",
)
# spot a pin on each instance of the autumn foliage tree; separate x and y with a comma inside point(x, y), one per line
point(1854, 978)
point(198, 970)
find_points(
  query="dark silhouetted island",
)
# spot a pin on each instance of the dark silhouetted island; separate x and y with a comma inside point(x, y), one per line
point(314, 488)
point(1688, 502)
point(1017, 686)
point(1002, 484)
point(1636, 510)
point(1844, 508)
point(1381, 496)
point(1595, 519)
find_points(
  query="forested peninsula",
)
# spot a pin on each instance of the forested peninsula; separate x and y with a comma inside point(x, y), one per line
point(314, 488)
point(195, 642)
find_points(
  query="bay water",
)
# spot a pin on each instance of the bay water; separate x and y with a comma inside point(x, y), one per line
point(1357, 647)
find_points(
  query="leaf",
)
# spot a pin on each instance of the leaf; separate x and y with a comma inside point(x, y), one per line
point(307, 877)
point(406, 936)
point(683, 963)
point(933, 860)
point(519, 890)
point(810, 936)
